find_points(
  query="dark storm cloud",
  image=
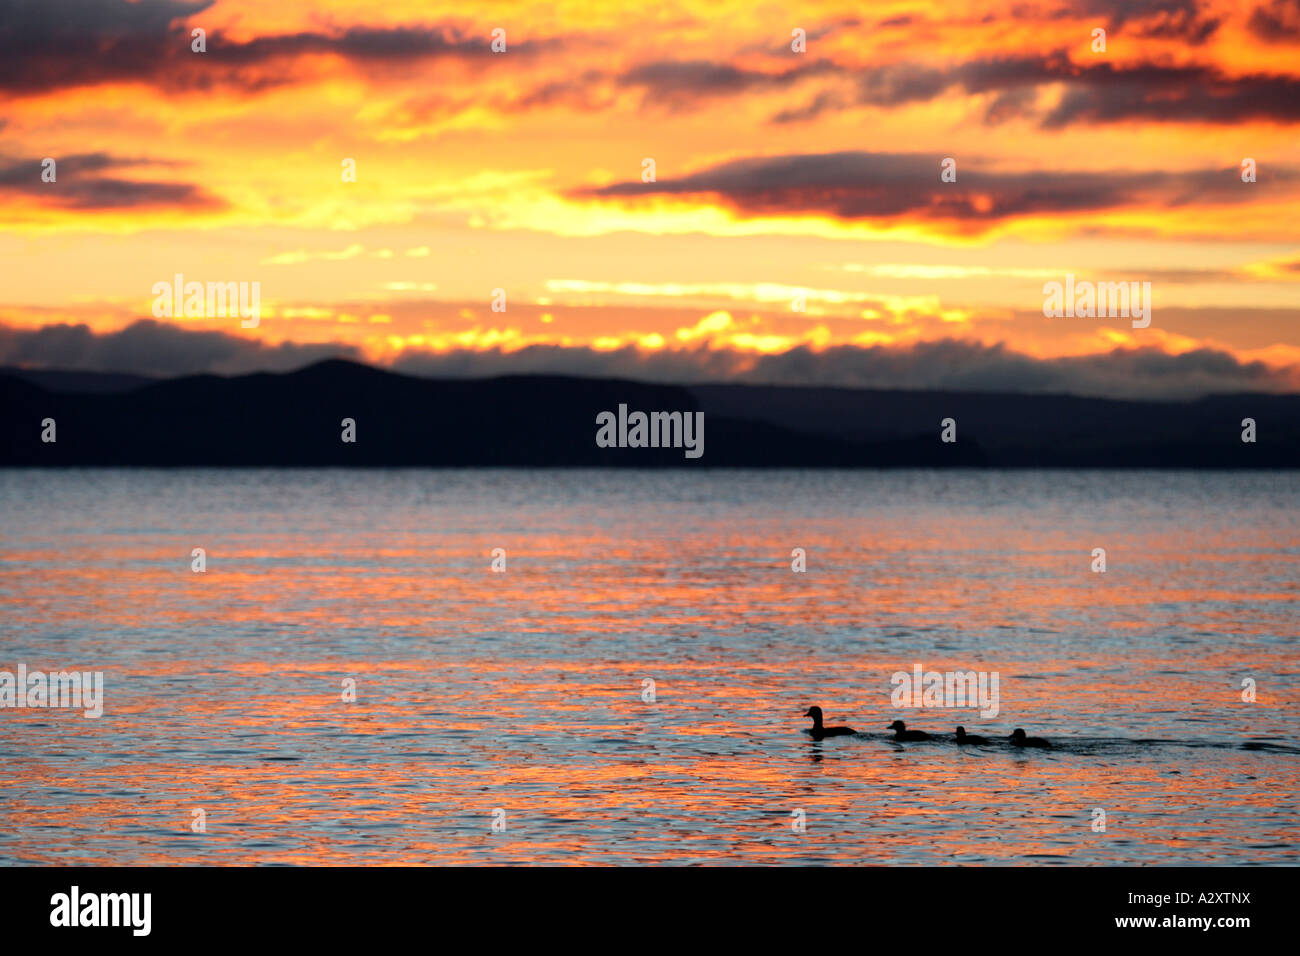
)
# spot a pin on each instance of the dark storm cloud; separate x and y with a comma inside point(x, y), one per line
point(51, 44)
point(942, 365)
point(147, 347)
point(1103, 93)
point(44, 19)
point(47, 44)
point(961, 366)
point(1276, 21)
point(153, 348)
point(860, 185)
point(104, 194)
point(660, 366)
point(20, 173)
point(1171, 19)
point(79, 185)
point(1094, 92)
point(686, 84)
point(696, 76)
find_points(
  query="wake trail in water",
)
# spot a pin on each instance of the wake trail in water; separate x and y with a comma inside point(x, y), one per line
point(1095, 745)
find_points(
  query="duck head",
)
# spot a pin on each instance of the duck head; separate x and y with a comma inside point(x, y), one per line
point(961, 732)
point(815, 713)
point(898, 725)
point(1017, 734)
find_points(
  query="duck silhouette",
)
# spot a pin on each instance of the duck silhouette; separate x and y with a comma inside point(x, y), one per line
point(902, 733)
point(965, 738)
point(817, 731)
point(1018, 739)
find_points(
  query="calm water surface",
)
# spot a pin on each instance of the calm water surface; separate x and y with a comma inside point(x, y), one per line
point(523, 690)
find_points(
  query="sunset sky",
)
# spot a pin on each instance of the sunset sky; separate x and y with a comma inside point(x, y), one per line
point(778, 173)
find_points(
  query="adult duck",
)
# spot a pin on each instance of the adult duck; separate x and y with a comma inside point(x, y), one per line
point(818, 731)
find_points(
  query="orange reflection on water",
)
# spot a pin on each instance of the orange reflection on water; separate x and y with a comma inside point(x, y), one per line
point(523, 691)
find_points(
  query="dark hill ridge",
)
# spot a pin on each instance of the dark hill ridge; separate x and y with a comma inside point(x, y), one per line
point(1016, 429)
point(87, 382)
point(294, 419)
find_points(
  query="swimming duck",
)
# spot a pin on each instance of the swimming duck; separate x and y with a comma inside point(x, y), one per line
point(902, 733)
point(817, 731)
point(965, 738)
point(1018, 739)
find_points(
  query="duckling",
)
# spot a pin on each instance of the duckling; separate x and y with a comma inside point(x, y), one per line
point(902, 733)
point(817, 731)
point(1018, 739)
point(965, 738)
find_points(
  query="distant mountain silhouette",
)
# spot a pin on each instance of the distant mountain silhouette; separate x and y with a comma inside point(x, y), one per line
point(89, 382)
point(294, 419)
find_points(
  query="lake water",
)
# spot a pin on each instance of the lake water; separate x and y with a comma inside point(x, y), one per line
point(522, 692)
